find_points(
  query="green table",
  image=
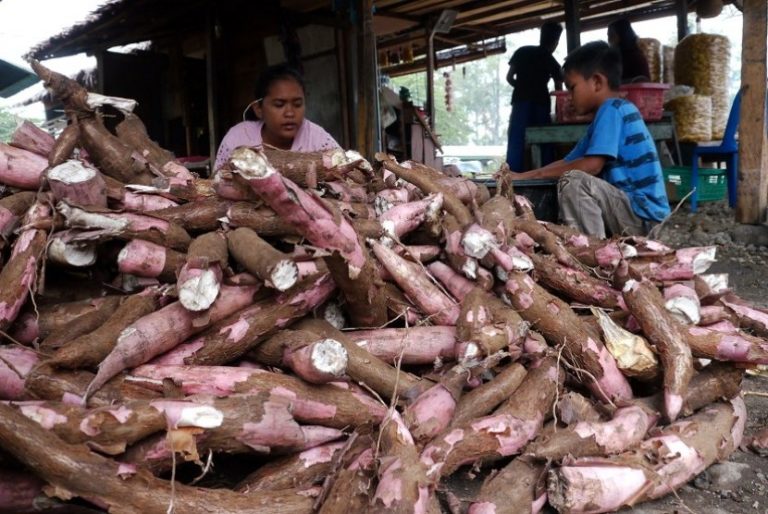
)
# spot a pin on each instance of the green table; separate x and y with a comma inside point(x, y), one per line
point(535, 136)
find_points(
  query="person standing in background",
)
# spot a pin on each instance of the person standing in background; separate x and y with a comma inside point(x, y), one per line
point(634, 65)
point(530, 69)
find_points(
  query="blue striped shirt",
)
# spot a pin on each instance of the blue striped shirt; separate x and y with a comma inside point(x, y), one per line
point(619, 134)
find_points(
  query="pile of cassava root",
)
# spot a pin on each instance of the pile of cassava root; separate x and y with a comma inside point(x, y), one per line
point(369, 330)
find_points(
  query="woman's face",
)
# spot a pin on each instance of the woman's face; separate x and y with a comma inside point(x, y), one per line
point(282, 111)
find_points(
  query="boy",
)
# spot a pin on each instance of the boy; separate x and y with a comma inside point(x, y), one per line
point(530, 69)
point(611, 182)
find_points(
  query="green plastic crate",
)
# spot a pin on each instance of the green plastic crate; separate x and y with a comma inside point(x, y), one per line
point(712, 185)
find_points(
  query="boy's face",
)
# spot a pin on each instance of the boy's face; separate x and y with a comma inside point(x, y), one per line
point(585, 97)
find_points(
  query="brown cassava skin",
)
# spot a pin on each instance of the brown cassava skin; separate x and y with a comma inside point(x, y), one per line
point(50, 318)
point(502, 434)
point(548, 241)
point(493, 327)
point(75, 470)
point(96, 316)
point(200, 215)
point(734, 347)
point(560, 325)
point(496, 216)
point(365, 297)
point(429, 185)
point(398, 305)
point(458, 260)
point(349, 489)
point(292, 349)
point(259, 423)
point(306, 168)
point(17, 204)
point(241, 331)
point(485, 398)
point(403, 484)
point(261, 219)
point(658, 466)
point(29, 136)
point(297, 471)
point(132, 132)
point(326, 405)
point(576, 284)
point(255, 255)
point(514, 490)
point(88, 350)
point(65, 144)
point(365, 368)
point(19, 275)
point(646, 304)
point(47, 383)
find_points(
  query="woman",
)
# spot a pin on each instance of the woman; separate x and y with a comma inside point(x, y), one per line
point(276, 118)
point(634, 66)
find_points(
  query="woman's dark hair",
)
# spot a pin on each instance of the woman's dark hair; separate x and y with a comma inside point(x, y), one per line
point(624, 31)
point(550, 33)
point(595, 57)
point(270, 76)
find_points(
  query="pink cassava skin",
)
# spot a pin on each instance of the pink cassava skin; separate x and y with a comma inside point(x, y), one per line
point(15, 364)
point(415, 345)
point(29, 136)
point(235, 335)
point(748, 316)
point(21, 168)
point(300, 470)
point(627, 428)
point(18, 276)
point(260, 423)
point(407, 217)
point(486, 397)
point(457, 285)
point(502, 434)
point(432, 411)
point(150, 260)
point(326, 405)
point(660, 465)
point(314, 219)
point(667, 334)
point(403, 484)
point(163, 329)
point(731, 345)
point(75, 470)
point(683, 265)
point(416, 284)
point(560, 325)
point(145, 203)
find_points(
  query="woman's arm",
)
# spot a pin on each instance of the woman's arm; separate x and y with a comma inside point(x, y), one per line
point(592, 164)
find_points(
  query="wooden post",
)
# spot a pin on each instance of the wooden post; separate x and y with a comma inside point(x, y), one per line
point(211, 79)
point(681, 11)
point(431, 77)
point(753, 146)
point(368, 84)
point(572, 29)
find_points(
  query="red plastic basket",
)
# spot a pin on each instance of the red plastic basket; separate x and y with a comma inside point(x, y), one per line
point(648, 97)
point(564, 112)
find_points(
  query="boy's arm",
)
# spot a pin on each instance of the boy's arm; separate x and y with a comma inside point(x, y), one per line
point(591, 164)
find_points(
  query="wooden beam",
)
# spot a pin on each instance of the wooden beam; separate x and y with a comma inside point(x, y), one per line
point(753, 146)
point(572, 30)
point(681, 11)
point(368, 83)
point(211, 79)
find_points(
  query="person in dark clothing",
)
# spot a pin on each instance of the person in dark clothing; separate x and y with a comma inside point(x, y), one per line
point(634, 65)
point(530, 69)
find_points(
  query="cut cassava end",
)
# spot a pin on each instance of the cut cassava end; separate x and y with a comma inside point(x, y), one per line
point(78, 184)
point(316, 360)
point(200, 277)
point(261, 259)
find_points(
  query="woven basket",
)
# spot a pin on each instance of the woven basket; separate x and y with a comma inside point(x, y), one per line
point(668, 61)
point(693, 117)
point(651, 49)
point(702, 61)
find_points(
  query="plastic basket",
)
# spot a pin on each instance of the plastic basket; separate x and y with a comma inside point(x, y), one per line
point(712, 183)
point(564, 111)
point(648, 97)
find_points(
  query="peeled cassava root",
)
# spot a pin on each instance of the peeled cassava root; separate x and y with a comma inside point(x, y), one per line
point(352, 336)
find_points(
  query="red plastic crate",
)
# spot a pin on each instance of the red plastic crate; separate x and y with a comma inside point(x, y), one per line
point(564, 112)
point(648, 97)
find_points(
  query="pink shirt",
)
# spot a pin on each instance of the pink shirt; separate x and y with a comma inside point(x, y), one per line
point(311, 137)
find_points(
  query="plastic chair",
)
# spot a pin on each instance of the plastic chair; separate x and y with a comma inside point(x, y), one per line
point(726, 150)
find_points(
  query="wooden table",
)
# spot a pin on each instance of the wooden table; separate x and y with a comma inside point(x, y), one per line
point(535, 136)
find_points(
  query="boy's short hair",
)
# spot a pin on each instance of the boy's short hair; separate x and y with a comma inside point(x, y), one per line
point(550, 33)
point(595, 57)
